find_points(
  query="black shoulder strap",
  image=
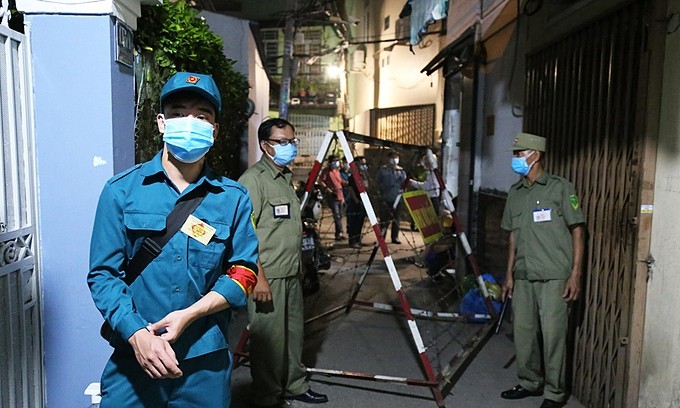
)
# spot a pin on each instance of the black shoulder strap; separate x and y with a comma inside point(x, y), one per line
point(152, 246)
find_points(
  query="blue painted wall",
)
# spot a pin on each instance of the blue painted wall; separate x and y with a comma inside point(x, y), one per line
point(84, 104)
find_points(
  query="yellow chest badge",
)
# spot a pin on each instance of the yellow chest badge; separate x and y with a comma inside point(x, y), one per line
point(198, 230)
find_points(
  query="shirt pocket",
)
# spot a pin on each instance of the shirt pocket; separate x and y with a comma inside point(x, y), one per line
point(143, 221)
point(280, 208)
point(209, 256)
point(556, 216)
point(139, 225)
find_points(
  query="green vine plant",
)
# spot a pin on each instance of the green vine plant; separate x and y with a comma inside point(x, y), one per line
point(171, 38)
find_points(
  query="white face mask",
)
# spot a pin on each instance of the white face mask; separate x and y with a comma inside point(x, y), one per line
point(188, 138)
point(394, 161)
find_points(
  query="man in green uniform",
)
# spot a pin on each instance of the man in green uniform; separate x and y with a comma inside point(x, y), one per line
point(545, 253)
point(276, 308)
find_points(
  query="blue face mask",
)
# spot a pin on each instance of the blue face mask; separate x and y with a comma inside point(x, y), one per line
point(283, 155)
point(188, 139)
point(520, 165)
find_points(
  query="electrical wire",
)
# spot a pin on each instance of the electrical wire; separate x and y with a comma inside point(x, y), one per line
point(70, 3)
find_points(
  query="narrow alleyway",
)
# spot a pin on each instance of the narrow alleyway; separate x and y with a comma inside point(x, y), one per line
point(379, 343)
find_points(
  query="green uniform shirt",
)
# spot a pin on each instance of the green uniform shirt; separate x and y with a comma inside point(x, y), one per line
point(276, 214)
point(540, 215)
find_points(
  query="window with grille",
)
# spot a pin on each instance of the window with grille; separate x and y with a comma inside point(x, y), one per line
point(405, 124)
point(272, 49)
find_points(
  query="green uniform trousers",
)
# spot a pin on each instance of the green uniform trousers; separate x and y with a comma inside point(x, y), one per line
point(540, 318)
point(276, 337)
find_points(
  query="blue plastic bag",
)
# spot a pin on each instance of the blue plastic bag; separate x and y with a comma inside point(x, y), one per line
point(473, 302)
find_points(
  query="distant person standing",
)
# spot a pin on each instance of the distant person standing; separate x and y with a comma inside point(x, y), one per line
point(545, 253)
point(356, 213)
point(428, 180)
point(331, 180)
point(345, 174)
point(390, 180)
point(276, 308)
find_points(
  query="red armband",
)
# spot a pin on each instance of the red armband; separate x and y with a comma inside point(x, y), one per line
point(246, 278)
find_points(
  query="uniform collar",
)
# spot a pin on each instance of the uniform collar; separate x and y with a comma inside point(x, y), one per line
point(272, 170)
point(153, 171)
point(542, 179)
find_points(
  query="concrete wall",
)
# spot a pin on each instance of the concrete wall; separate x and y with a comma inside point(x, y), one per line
point(402, 83)
point(84, 133)
point(259, 94)
point(235, 34)
point(390, 78)
point(239, 45)
point(502, 97)
point(661, 350)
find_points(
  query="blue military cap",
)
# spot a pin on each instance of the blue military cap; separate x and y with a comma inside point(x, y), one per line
point(201, 84)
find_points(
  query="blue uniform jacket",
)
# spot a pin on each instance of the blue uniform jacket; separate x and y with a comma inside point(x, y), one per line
point(134, 205)
point(390, 181)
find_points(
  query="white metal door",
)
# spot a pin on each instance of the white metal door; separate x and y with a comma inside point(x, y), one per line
point(21, 371)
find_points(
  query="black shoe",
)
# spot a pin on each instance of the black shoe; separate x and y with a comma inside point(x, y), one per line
point(311, 397)
point(548, 403)
point(396, 241)
point(324, 262)
point(519, 392)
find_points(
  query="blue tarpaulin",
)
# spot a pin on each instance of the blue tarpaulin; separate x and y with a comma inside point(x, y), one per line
point(423, 13)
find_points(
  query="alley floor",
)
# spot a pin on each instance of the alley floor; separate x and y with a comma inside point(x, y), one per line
point(364, 340)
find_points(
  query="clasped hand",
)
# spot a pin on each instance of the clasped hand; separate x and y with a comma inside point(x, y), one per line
point(153, 349)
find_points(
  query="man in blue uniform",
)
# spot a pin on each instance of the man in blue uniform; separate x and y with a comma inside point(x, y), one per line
point(545, 253)
point(169, 326)
point(356, 213)
point(390, 180)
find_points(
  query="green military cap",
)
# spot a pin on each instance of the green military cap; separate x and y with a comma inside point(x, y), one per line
point(527, 141)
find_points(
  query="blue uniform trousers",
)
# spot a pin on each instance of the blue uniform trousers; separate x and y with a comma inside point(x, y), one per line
point(206, 383)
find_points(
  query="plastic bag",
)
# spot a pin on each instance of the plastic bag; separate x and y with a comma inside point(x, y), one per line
point(473, 301)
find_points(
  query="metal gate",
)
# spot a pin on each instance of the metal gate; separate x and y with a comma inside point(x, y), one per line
point(404, 124)
point(21, 378)
point(583, 93)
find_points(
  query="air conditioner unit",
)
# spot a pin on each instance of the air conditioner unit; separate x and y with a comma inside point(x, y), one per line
point(358, 61)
